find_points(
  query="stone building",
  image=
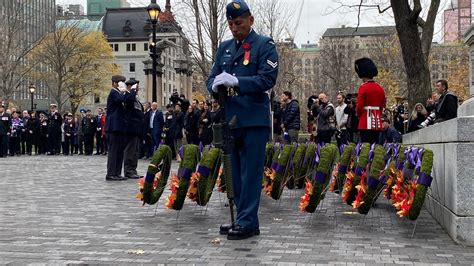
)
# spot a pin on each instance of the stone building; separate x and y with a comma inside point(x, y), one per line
point(128, 32)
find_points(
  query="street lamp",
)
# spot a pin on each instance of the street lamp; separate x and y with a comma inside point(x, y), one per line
point(32, 89)
point(154, 12)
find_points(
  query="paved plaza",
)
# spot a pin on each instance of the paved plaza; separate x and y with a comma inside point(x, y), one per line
point(59, 209)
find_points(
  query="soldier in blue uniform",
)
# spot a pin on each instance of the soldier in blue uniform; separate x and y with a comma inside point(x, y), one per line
point(248, 66)
point(116, 126)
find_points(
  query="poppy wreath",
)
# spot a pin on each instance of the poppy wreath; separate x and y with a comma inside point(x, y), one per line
point(373, 180)
point(280, 171)
point(307, 166)
point(296, 166)
point(269, 150)
point(180, 182)
point(422, 184)
point(358, 175)
point(220, 183)
point(341, 167)
point(154, 183)
point(397, 179)
point(389, 174)
point(316, 184)
point(404, 184)
point(204, 179)
point(269, 173)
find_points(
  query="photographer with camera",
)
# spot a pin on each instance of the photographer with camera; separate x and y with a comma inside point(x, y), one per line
point(352, 119)
point(180, 99)
point(323, 110)
point(341, 120)
point(446, 108)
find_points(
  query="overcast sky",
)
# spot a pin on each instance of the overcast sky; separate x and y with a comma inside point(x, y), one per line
point(314, 18)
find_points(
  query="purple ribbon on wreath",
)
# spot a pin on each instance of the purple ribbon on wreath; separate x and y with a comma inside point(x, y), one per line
point(181, 152)
point(424, 179)
point(342, 169)
point(383, 179)
point(320, 177)
point(399, 165)
point(280, 169)
point(372, 182)
point(341, 148)
point(203, 170)
point(357, 149)
point(419, 158)
point(185, 173)
point(371, 152)
point(318, 150)
point(149, 177)
point(358, 170)
point(201, 147)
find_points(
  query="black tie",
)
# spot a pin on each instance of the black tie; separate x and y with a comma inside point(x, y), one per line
point(237, 46)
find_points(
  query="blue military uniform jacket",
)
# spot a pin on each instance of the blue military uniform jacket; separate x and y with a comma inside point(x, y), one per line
point(115, 121)
point(251, 105)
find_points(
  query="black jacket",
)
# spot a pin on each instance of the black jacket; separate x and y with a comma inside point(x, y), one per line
point(290, 116)
point(134, 117)
point(89, 125)
point(447, 107)
point(390, 135)
point(5, 123)
point(414, 123)
point(55, 120)
point(322, 114)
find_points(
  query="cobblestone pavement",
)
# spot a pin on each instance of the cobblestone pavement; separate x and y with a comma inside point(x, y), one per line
point(61, 210)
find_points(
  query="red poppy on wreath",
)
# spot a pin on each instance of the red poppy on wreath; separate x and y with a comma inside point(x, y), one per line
point(246, 46)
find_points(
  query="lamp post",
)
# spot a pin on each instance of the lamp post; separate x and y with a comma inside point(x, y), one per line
point(32, 89)
point(154, 12)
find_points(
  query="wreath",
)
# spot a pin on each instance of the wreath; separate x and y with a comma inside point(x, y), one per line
point(180, 181)
point(269, 150)
point(316, 184)
point(307, 166)
point(341, 167)
point(353, 179)
point(279, 172)
point(404, 184)
point(373, 181)
point(269, 173)
point(422, 184)
point(154, 183)
point(204, 179)
point(296, 166)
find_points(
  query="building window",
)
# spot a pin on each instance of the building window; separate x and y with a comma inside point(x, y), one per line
point(169, 88)
point(132, 67)
point(96, 98)
point(134, 47)
point(145, 46)
point(116, 47)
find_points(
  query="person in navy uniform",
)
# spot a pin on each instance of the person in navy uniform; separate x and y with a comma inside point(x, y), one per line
point(89, 125)
point(115, 126)
point(248, 66)
point(55, 121)
point(134, 115)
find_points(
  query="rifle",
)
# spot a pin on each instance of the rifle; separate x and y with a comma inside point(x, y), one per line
point(224, 140)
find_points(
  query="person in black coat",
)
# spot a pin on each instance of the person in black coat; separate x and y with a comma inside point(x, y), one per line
point(170, 128)
point(55, 121)
point(352, 119)
point(32, 133)
point(205, 124)
point(389, 134)
point(89, 126)
point(134, 116)
point(191, 121)
point(43, 134)
point(154, 123)
point(70, 131)
point(290, 117)
point(417, 117)
point(447, 107)
point(5, 124)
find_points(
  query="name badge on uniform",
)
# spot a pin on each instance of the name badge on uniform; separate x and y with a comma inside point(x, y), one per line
point(246, 47)
point(4, 118)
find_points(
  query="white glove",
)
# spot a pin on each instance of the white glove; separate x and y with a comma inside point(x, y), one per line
point(134, 87)
point(122, 87)
point(225, 79)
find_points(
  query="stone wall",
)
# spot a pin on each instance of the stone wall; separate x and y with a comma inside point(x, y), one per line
point(451, 197)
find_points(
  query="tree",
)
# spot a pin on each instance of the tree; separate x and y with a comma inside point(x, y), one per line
point(13, 63)
point(78, 64)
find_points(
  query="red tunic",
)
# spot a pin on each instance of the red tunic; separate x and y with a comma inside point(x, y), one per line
point(370, 104)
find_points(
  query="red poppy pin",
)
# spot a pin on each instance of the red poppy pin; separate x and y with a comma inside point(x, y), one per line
point(246, 47)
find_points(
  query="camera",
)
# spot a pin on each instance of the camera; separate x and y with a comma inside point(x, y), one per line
point(174, 97)
point(351, 98)
point(429, 120)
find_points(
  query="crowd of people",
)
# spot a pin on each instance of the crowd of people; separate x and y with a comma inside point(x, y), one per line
point(339, 121)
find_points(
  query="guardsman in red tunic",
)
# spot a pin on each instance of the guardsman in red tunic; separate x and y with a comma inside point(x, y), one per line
point(370, 101)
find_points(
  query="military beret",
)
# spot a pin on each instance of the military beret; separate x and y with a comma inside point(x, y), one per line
point(236, 8)
point(82, 110)
point(118, 78)
point(365, 68)
point(131, 82)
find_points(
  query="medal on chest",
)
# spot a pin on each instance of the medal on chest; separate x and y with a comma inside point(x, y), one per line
point(246, 47)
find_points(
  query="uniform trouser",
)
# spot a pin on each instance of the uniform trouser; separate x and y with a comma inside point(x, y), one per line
point(369, 136)
point(172, 144)
point(14, 145)
point(68, 145)
point(155, 142)
point(116, 144)
point(30, 141)
point(98, 143)
point(248, 159)
point(54, 142)
point(24, 142)
point(130, 157)
point(43, 146)
point(324, 136)
point(3, 145)
point(88, 144)
point(341, 137)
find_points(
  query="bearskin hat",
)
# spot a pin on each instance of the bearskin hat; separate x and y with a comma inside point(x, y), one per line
point(365, 68)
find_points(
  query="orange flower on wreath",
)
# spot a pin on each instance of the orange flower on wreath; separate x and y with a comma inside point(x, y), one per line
point(404, 205)
point(141, 185)
point(174, 191)
point(348, 185)
point(361, 189)
point(335, 172)
point(193, 186)
point(269, 176)
point(390, 179)
point(307, 196)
